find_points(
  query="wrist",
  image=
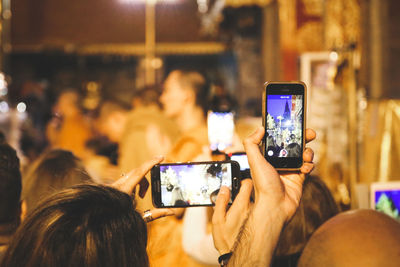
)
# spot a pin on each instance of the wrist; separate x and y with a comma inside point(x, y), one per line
point(271, 211)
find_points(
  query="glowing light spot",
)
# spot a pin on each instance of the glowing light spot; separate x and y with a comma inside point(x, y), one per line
point(21, 107)
point(333, 56)
point(4, 108)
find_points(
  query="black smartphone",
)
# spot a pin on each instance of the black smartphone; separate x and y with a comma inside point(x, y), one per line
point(221, 129)
point(193, 183)
point(284, 107)
point(241, 158)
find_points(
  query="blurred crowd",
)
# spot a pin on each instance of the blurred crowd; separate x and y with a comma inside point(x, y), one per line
point(64, 206)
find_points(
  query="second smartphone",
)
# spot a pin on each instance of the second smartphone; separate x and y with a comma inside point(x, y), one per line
point(284, 106)
point(241, 158)
point(193, 183)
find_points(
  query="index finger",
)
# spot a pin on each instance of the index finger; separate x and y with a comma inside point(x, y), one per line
point(221, 205)
point(128, 182)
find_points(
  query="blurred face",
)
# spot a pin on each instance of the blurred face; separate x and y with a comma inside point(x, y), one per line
point(67, 104)
point(173, 97)
point(112, 126)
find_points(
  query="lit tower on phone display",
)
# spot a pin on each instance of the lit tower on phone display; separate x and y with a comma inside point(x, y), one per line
point(286, 113)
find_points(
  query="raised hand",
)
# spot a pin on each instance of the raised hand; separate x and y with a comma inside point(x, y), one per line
point(127, 184)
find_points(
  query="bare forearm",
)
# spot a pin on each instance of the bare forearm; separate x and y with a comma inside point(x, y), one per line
point(256, 247)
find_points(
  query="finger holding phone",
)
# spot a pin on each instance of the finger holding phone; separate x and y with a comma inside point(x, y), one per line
point(277, 195)
point(277, 198)
point(127, 184)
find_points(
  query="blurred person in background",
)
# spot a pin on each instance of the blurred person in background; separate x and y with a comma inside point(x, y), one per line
point(69, 128)
point(184, 99)
point(146, 130)
point(11, 207)
point(141, 133)
point(100, 160)
point(317, 205)
point(53, 171)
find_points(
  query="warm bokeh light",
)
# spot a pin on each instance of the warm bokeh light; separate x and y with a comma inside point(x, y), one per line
point(21, 107)
point(4, 108)
point(149, 1)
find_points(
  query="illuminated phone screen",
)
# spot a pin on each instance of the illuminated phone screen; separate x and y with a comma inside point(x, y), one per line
point(220, 130)
point(193, 184)
point(284, 130)
point(388, 202)
point(242, 160)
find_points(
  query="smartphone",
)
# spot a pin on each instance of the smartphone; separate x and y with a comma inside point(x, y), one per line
point(220, 130)
point(193, 183)
point(284, 121)
point(241, 158)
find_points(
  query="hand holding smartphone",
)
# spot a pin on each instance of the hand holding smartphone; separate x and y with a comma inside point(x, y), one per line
point(284, 106)
point(192, 184)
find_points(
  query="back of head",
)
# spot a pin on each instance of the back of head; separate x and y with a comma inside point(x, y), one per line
point(194, 80)
point(54, 171)
point(10, 186)
point(109, 107)
point(111, 119)
point(317, 205)
point(356, 238)
point(85, 225)
point(146, 96)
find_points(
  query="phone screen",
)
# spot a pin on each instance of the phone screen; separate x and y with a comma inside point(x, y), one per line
point(193, 184)
point(284, 125)
point(242, 160)
point(220, 130)
point(388, 202)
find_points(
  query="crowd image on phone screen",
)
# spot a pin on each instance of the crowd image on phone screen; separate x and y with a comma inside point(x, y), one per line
point(284, 125)
point(193, 184)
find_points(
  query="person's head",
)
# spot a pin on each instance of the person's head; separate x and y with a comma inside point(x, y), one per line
point(112, 120)
point(54, 171)
point(85, 225)
point(146, 96)
point(10, 187)
point(356, 238)
point(317, 205)
point(182, 90)
point(294, 150)
point(68, 103)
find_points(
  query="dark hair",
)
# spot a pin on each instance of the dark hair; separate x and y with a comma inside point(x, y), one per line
point(148, 95)
point(85, 225)
point(53, 171)
point(317, 205)
point(197, 82)
point(2, 138)
point(294, 150)
point(10, 186)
